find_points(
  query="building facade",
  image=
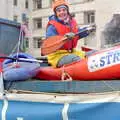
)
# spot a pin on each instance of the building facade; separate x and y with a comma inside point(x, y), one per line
point(86, 12)
point(37, 13)
point(16, 10)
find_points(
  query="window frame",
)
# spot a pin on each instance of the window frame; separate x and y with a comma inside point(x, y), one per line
point(38, 23)
point(15, 18)
point(15, 2)
point(89, 17)
point(26, 4)
point(37, 42)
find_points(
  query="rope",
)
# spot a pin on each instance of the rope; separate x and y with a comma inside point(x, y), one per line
point(65, 76)
point(19, 41)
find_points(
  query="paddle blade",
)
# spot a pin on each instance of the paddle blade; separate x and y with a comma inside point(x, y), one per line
point(52, 44)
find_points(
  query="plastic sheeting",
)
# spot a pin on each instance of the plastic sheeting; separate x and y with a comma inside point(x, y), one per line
point(9, 36)
point(102, 106)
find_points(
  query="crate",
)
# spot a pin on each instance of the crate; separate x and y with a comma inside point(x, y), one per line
point(9, 36)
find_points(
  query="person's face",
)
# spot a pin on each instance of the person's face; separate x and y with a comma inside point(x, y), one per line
point(62, 13)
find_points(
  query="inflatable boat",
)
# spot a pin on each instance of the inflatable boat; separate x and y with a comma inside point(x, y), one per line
point(19, 67)
point(102, 65)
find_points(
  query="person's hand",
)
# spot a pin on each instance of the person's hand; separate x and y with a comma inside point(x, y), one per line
point(69, 35)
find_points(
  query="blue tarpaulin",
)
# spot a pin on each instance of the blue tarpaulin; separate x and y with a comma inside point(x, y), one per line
point(42, 106)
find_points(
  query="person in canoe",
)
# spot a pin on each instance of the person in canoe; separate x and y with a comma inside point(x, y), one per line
point(63, 23)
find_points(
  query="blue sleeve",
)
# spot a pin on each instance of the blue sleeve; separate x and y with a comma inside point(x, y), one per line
point(51, 31)
point(83, 34)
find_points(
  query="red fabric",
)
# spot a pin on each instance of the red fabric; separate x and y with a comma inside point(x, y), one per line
point(63, 29)
point(86, 49)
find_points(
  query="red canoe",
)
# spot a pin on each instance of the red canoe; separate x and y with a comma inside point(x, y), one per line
point(104, 65)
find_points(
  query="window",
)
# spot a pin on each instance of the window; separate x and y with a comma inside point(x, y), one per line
point(36, 42)
point(15, 2)
point(15, 18)
point(88, 0)
point(50, 3)
point(38, 4)
point(26, 4)
point(38, 23)
point(89, 17)
point(24, 17)
point(26, 42)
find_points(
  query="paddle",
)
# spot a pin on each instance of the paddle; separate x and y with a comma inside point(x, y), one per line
point(53, 43)
point(22, 59)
